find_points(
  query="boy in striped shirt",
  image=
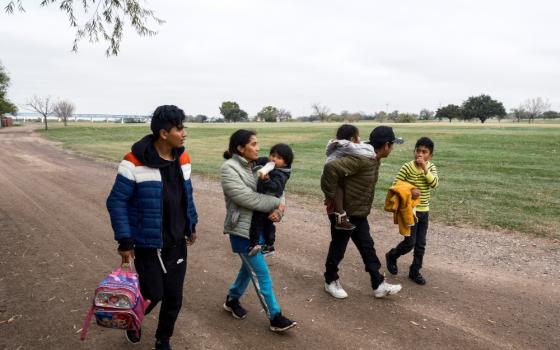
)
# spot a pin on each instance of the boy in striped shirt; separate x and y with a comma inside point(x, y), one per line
point(422, 173)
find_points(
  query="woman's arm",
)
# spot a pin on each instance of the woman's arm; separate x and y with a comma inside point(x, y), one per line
point(243, 195)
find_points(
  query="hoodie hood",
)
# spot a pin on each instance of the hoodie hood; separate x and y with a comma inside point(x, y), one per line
point(146, 153)
point(286, 170)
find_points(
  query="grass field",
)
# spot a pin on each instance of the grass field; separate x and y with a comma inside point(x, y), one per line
point(493, 176)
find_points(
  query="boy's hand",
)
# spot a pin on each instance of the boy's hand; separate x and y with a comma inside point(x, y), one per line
point(126, 256)
point(415, 193)
point(421, 164)
point(190, 241)
point(263, 177)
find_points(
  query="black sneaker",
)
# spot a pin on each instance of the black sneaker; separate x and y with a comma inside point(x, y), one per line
point(132, 336)
point(268, 250)
point(280, 323)
point(233, 306)
point(391, 263)
point(163, 344)
point(417, 278)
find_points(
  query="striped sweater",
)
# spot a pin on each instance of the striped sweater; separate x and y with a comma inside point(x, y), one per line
point(424, 182)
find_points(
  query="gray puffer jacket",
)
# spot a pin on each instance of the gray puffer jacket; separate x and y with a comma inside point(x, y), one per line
point(239, 184)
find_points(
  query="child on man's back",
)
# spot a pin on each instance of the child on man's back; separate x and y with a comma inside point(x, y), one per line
point(347, 142)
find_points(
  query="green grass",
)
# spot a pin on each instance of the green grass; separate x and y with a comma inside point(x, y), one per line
point(493, 176)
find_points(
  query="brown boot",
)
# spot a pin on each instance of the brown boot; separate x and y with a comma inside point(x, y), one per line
point(342, 222)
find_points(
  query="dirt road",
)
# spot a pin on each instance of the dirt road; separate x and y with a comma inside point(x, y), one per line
point(486, 290)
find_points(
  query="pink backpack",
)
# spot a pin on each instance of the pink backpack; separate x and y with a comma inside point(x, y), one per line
point(117, 302)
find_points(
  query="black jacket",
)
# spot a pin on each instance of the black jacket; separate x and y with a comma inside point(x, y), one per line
point(277, 179)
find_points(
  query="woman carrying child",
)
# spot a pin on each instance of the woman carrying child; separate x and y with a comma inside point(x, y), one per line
point(239, 184)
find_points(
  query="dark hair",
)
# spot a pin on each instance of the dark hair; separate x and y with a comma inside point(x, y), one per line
point(165, 118)
point(346, 132)
point(284, 151)
point(381, 135)
point(239, 138)
point(426, 142)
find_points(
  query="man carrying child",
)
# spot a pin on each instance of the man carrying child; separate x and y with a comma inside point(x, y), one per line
point(358, 176)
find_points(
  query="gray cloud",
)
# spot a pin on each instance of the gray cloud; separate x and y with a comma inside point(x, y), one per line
point(349, 55)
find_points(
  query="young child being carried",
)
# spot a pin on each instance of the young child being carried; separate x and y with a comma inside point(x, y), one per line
point(347, 142)
point(273, 176)
point(422, 173)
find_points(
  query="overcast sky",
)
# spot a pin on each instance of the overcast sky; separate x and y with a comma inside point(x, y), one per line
point(348, 55)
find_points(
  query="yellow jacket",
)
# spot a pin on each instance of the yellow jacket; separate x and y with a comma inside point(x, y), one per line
point(399, 201)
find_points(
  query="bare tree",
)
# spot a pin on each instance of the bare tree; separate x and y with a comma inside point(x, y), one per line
point(519, 113)
point(283, 115)
point(535, 107)
point(322, 112)
point(107, 18)
point(42, 106)
point(64, 110)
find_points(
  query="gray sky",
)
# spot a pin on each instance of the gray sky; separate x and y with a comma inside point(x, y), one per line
point(348, 55)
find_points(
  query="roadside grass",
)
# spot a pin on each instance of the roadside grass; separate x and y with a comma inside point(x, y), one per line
point(493, 176)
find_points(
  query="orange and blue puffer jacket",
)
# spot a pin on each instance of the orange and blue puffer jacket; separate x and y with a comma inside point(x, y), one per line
point(135, 203)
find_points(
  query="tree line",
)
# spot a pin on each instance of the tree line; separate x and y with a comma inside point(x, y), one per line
point(482, 107)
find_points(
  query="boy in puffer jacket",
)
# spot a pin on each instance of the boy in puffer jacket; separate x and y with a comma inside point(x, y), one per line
point(154, 217)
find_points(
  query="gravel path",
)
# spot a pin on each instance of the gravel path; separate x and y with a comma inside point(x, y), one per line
point(486, 290)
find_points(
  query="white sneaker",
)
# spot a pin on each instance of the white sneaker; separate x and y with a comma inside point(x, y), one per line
point(335, 289)
point(385, 289)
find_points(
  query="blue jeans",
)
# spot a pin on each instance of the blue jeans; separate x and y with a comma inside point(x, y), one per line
point(254, 269)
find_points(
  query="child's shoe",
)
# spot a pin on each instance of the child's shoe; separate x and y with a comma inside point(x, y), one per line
point(162, 344)
point(268, 250)
point(391, 263)
point(342, 222)
point(417, 277)
point(254, 249)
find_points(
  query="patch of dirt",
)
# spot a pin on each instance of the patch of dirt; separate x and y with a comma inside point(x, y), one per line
point(486, 290)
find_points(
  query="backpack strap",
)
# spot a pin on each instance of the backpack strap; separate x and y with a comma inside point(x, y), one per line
point(86, 323)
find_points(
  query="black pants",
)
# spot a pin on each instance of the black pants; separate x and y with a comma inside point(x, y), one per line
point(260, 223)
point(416, 241)
point(157, 286)
point(362, 239)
